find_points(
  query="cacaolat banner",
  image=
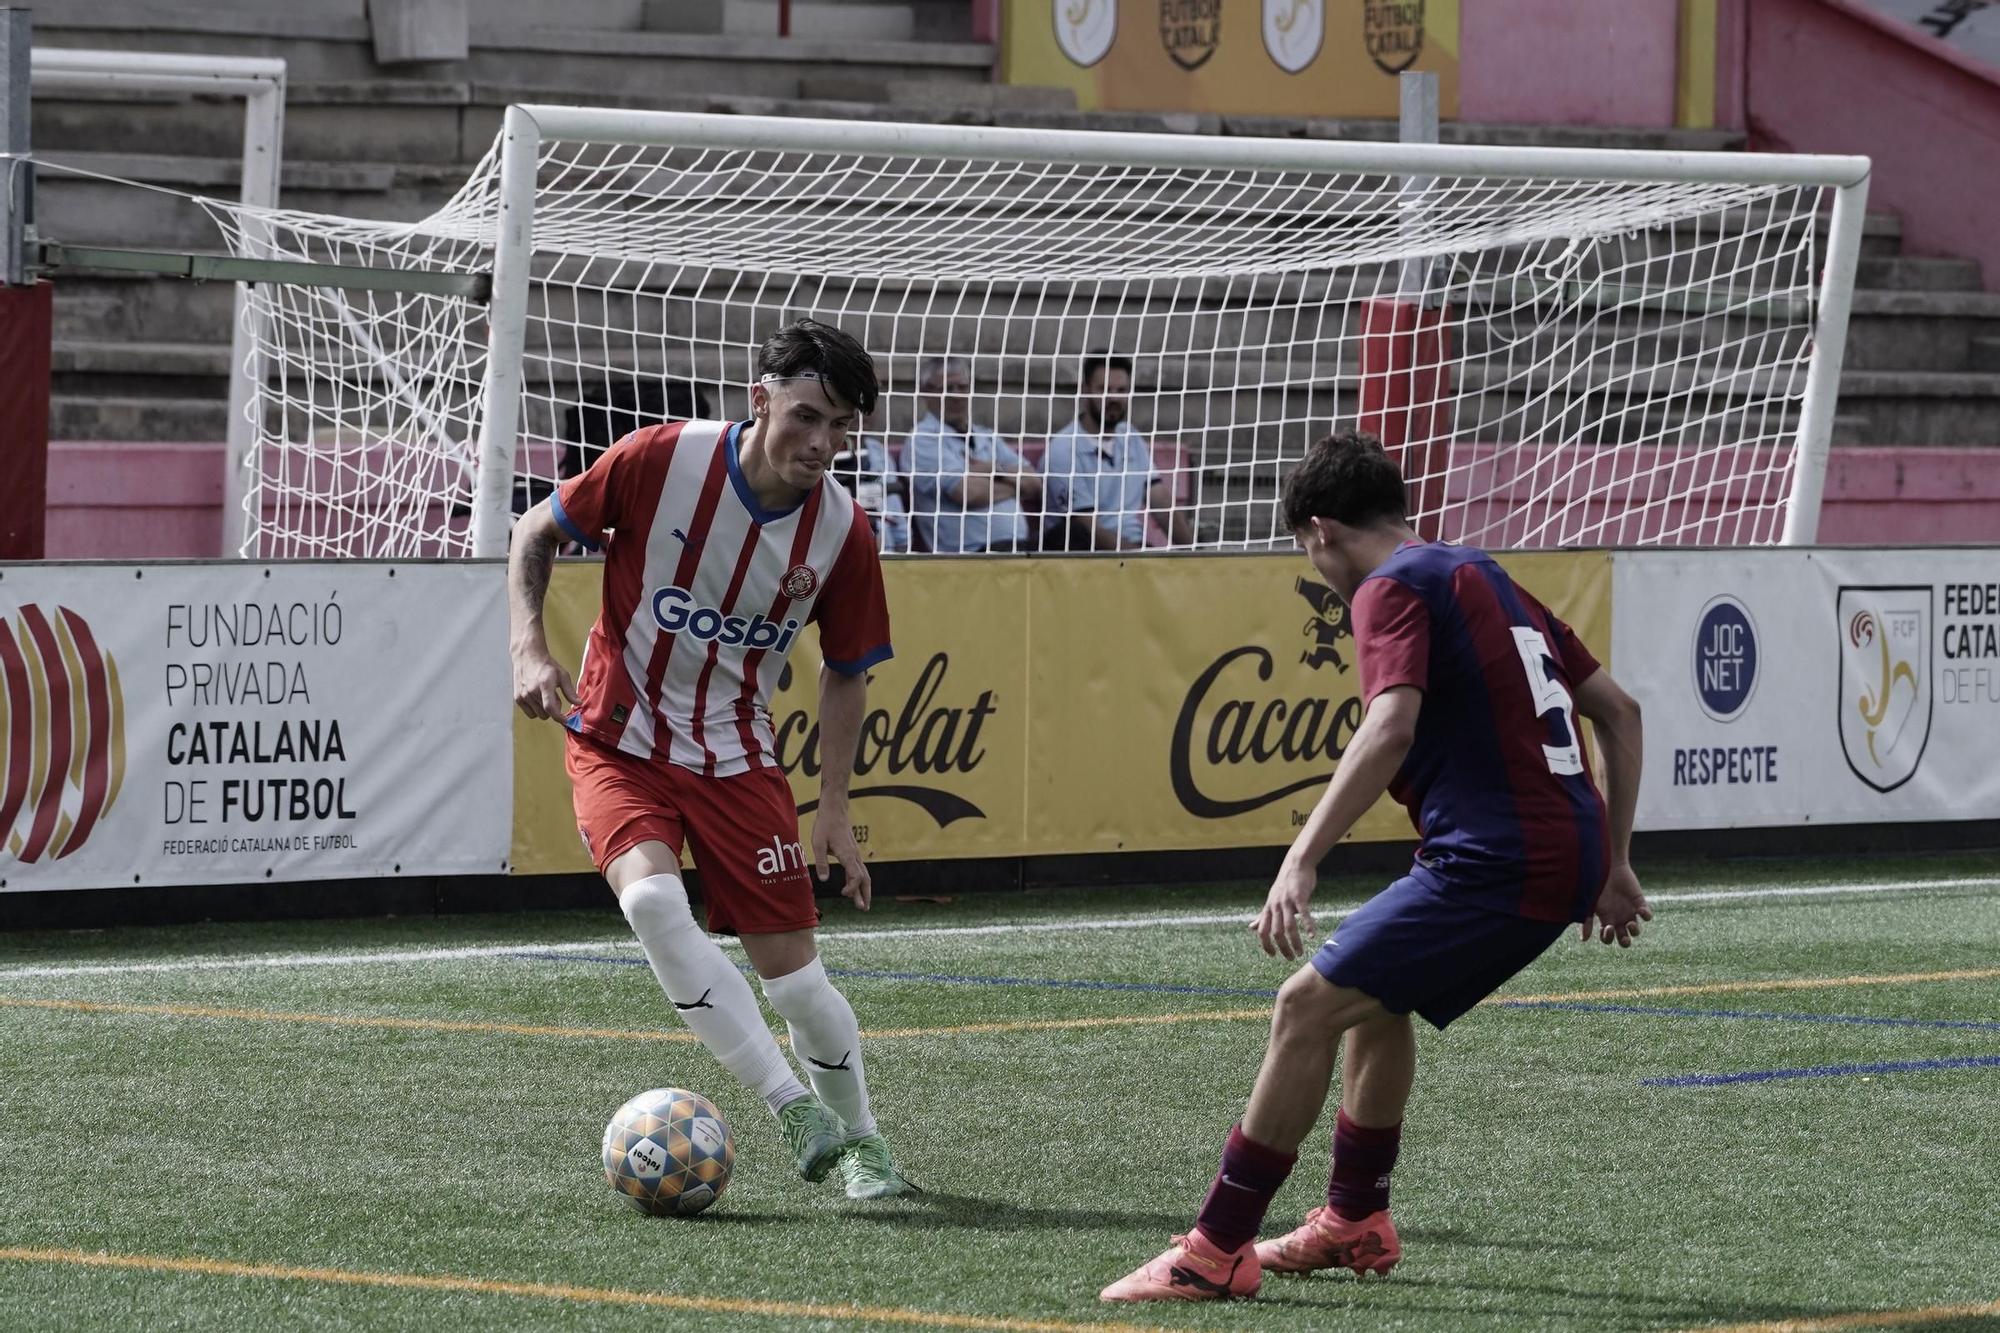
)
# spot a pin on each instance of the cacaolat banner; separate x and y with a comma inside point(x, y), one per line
point(1045, 707)
point(230, 722)
point(1245, 57)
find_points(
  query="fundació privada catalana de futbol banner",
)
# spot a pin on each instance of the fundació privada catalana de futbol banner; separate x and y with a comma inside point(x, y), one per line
point(217, 723)
point(1046, 707)
point(1824, 686)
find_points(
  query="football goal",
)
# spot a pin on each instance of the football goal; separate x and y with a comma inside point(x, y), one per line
point(1562, 346)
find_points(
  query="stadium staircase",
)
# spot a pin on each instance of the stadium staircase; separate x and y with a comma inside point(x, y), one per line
point(140, 365)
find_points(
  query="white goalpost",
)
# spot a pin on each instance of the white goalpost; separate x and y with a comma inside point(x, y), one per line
point(260, 82)
point(1562, 347)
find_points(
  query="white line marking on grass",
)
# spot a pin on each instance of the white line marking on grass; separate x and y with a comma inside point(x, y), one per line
point(1039, 926)
point(315, 959)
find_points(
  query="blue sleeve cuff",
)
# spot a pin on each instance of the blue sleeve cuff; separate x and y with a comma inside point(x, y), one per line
point(863, 662)
point(564, 522)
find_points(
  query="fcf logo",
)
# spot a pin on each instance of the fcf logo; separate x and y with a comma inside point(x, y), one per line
point(62, 733)
point(1085, 29)
point(1885, 682)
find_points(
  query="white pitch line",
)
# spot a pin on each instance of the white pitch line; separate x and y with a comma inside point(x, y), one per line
point(1040, 926)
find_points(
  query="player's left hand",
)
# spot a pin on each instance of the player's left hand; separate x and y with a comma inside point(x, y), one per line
point(1288, 911)
point(1620, 907)
point(833, 833)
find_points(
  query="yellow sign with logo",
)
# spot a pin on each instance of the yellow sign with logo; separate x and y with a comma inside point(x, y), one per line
point(1245, 57)
point(1205, 702)
point(939, 771)
point(1047, 707)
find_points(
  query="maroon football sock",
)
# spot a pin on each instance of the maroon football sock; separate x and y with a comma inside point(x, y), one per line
point(1362, 1159)
point(1250, 1175)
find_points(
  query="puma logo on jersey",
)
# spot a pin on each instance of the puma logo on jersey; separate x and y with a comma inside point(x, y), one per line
point(684, 539)
point(677, 613)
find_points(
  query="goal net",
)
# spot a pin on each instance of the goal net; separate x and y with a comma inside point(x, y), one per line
point(1560, 347)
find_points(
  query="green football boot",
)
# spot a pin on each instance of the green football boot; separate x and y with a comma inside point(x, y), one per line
point(813, 1135)
point(871, 1173)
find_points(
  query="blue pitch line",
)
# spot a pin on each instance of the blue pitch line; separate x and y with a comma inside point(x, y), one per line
point(1823, 1071)
point(949, 979)
point(1863, 1020)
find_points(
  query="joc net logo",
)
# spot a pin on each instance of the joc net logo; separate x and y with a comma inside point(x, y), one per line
point(62, 733)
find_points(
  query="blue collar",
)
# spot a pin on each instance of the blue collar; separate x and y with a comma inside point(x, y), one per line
point(732, 445)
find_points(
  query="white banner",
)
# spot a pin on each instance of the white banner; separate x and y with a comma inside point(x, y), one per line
point(1812, 687)
point(219, 723)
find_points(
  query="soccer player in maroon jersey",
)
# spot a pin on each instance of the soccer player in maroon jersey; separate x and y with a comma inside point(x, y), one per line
point(1472, 690)
point(721, 540)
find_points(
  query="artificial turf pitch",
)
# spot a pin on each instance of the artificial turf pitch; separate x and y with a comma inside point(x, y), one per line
point(394, 1123)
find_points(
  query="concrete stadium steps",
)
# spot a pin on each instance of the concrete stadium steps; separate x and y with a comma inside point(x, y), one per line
point(146, 359)
point(79, 210)
point(524, 47)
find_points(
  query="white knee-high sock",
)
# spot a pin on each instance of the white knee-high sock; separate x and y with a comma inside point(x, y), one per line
point(706, 990)
point(827, 1039)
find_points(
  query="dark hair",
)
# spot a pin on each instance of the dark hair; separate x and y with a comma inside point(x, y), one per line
point(1104, 361)
point(1345, 477)
point(619, 405)
point(841, 363)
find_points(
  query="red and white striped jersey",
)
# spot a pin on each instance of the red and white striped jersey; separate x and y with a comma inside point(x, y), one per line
point(706, 591)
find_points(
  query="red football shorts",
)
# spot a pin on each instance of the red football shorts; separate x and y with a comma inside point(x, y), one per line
point(744, 832)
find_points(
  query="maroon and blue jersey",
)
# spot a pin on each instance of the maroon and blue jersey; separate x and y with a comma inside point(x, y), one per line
point(1497, 781)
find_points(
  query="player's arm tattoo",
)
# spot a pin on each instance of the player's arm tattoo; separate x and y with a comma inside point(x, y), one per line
point(530, 564)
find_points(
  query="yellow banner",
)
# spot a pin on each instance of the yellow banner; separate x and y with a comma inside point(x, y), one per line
point(1046, 707)
point(1247, 57)
point(1205, 702)
point(940, 768)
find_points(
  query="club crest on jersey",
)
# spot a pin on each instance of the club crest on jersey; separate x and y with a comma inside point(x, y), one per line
point(801, 582)
point(676, 612)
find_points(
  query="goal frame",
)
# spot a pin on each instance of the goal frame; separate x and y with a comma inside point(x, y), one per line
point(260, 82)
point(526, 126)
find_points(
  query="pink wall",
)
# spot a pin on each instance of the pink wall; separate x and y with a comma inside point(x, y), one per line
point(136, 501)
point(1827, 76)
point(1569, 62)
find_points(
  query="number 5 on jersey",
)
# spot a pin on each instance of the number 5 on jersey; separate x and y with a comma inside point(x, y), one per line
point(1550, 695)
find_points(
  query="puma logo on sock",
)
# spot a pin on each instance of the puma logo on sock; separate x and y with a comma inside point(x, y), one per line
point(702, 1003)
point(821, 1064)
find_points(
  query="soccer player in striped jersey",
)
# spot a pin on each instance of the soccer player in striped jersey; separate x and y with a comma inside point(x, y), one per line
point(1472, 690)
point(722, 540)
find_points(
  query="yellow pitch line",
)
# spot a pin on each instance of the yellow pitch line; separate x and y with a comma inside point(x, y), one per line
point(962, 1029)
point(341, 1020)
point(604, 1034)
point(1733, 987)
point(1931, 1314)
point(562, 1292)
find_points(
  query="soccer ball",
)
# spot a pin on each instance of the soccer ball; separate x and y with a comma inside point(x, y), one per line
point(670, 1152)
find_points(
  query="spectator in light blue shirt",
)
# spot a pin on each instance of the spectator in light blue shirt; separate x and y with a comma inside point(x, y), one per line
point(1100, 473)
point(969, 491)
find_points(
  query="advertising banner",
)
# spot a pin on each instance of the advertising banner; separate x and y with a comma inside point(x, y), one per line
point(940, 770)
point(1328, 58)
point(220, 723)
point(1828, 686)
point(1206, 702)
point(1047, 707)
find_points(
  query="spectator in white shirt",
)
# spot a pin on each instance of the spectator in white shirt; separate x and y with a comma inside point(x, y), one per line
point(969, 491)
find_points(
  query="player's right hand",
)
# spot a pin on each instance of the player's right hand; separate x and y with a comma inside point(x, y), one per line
point(1619, 910)
point(1288, 911)
point(541, 687)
